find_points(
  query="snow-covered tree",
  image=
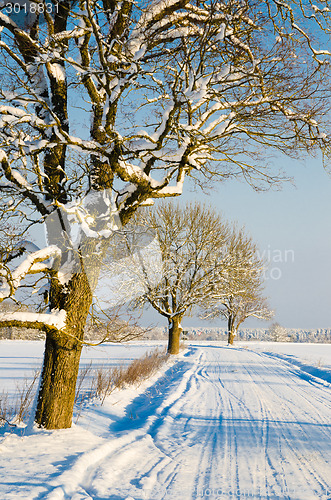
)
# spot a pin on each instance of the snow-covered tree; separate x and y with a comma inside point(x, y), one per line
point(170, 88)
point(237, 308)
point(245, 284)
point(279, 333)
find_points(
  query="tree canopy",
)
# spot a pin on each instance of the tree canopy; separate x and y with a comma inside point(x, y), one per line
point(171, 88)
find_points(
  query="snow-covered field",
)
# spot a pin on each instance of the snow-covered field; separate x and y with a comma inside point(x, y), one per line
point(252, 421)
point(19, 359)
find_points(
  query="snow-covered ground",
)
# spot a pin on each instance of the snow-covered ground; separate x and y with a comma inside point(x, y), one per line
point(251, 421)
point(19, 359)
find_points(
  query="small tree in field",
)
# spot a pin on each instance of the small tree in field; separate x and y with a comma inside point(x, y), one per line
point(171, 88)
point(245, 298)
point(238, 308)
point(278, 333)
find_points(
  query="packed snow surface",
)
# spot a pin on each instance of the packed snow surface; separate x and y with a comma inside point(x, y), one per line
point(249, 421)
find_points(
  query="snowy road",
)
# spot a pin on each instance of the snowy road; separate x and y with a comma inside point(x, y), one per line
point(221, 423)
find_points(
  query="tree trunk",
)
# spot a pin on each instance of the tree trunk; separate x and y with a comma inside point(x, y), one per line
point(231, 337)
point(62, 354)
point(231, 332)
point(58, 386)
point(175, 330)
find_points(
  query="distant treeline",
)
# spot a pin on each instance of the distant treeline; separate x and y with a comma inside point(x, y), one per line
point(318, 335)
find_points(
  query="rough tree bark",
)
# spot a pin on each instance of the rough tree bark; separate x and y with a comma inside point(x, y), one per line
point(231, 332)
point(175, 331)
point(57, 392)
point(62, 354)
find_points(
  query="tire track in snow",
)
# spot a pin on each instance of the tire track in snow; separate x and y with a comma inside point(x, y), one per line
point(181, 457)
point(271, 402)
point(85, 471)
point(269, 487)
point(322, 395)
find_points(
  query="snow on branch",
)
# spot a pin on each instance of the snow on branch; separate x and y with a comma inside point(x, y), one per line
point(40, 321)
point(21, 35)
point(36, 262)
point(22, 116)
point(94, 214)
point(20, 182)
point(177, 189)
